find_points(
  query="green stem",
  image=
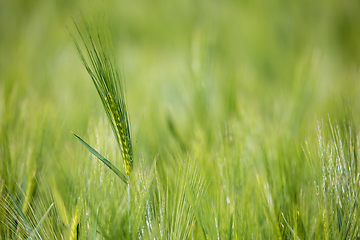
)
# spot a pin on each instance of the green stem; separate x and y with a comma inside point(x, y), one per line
point(128, 188)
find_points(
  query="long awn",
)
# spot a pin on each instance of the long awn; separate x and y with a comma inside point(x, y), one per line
point(97, 55)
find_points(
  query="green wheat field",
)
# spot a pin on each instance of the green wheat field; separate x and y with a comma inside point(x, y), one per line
point(179, 119)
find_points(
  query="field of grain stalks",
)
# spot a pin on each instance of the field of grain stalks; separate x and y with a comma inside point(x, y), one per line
point(244, 121)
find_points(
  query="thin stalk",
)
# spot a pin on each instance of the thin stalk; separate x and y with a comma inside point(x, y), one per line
point(128, 190)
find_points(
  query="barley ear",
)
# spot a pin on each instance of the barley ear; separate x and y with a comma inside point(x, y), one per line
point(97, 55)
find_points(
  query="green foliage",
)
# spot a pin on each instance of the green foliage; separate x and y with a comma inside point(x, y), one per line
point(101, 158)
point(245, 120)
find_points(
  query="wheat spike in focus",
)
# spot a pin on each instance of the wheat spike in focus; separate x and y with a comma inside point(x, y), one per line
point(122, 132)
point(97, 55)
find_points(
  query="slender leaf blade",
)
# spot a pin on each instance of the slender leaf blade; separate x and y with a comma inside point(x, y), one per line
point(104, 160)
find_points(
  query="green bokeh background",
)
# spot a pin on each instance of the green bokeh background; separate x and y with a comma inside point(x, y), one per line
point(197, 73)
point(286, 60)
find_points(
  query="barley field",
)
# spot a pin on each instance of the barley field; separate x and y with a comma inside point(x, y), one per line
point(179, 119)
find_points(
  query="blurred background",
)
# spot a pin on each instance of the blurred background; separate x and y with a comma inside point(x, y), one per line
point(201, 77)
point(190, 68)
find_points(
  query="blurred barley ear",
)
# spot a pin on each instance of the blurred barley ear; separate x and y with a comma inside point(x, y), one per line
point(97, 54)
